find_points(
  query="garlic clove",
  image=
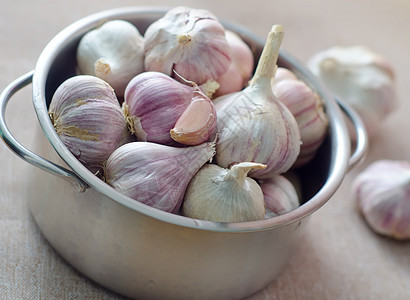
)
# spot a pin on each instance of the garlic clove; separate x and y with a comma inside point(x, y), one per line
point(153, 103)
point(88, 119)
point(306, 107)
point(197, 123)
point(280, 195)
point(284, 74)
point(221, 195)
point(382, 192)
point(189, 41)
point(154, 174)
point(362, 78)
point(113, 52)
point(253, 125)
point(241, 66)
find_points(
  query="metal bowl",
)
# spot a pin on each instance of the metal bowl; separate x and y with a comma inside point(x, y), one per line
point(139, 251)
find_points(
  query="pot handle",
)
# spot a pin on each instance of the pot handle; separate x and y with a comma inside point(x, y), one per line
point(22, 151)
point(362, 141)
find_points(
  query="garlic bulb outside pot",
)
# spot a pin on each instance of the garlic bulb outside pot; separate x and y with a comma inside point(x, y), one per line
point(113, 52)
point(153, 103)
point(306, 107)
point(221, 195)
point(382, 191)
point(253, 125)
point(241, 67)
point(88, 119)
point(154, 174)
point(190, 41)
point(280, 195)
point(361, 77)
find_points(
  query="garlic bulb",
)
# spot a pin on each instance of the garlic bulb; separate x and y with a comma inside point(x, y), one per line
point(153, 103)
point(190, 41)
point(113, 52)
point(253, 125)
point(306, 107)
point(241, 67)
point(154, 174)
point(360, 77)
point(383, 194)
point(221, 195)
point(280, 195)
point(88, 119)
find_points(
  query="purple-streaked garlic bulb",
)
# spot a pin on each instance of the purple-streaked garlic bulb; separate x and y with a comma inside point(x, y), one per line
point(88, 119)
point(154, 174)
point(222, 195)
point(155, 104)
point(113, 52)
point(189, 41)
point(306, 107)
point(382, 192)
point(241, 67)
point(280, 195)
point(253, 125)
point(362, 78)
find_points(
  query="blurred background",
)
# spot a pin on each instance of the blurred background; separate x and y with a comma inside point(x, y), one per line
point(338, 258)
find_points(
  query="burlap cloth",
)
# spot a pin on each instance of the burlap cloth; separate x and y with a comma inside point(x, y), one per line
point(338, 258)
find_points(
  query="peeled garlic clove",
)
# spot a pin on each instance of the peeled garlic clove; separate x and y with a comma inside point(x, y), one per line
point(241, 67)
point(88, 119)
point(280, 195)
point(153, 103)
point(221, 195)
point(190, 41)
point(383, 194)
point(113, 52)
point(306, 107)
point(154, 174)
point(360, 77)
point(197, 123)
point(253, 125)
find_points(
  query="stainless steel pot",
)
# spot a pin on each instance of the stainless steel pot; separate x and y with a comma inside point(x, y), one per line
point(142, 252)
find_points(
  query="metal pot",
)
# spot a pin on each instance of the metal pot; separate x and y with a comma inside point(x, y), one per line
point(139, 251)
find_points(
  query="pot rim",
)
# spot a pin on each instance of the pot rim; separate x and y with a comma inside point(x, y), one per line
point(340, 142)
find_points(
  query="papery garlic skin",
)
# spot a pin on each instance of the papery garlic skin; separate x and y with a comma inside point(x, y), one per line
point(253, 125)
point(190, 41)
point(241, 67)
point(280, 195)
point(362, 78)
point(113, 52)
point(221, 195)
point(153, 103)
point(88, 119)
point(306, 107)
point(154, 174)
point(382, 191)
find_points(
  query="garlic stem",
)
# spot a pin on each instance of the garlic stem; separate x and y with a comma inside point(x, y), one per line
point(266, 67)
point(241, 170)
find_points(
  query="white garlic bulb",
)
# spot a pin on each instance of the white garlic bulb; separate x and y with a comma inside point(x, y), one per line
point(383, 194)
point(113, 52)
point(361, 77)
point(280, 195)
point(222, 195)
point(189, 41)
point(306, 107)
point(154, 174)
point(88, 119)
point(253, 125)
point(241, 67)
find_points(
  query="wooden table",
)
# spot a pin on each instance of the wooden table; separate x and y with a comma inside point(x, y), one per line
point(339, 257)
